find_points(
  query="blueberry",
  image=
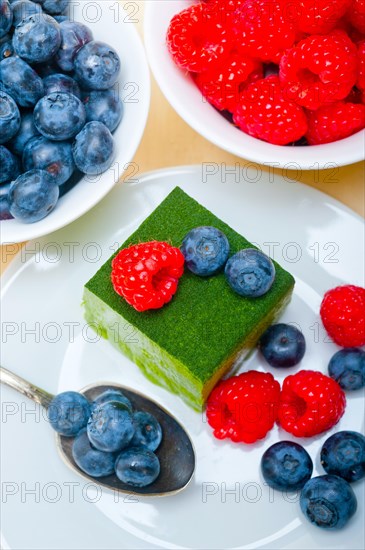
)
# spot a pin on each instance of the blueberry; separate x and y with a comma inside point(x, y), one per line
point(59, 116)
point(104, 106)
point(6, 50)
point(5, 38)
point(55, 157)
point(61, 18)
point(343, 454)
point(9, 165)
point(328, 501)
point(91, 461)
point(23, 9)
point(286, 466)
point(32, 196)
point(250, 273)
point(206, 250)
point(6, 17)
point(73, 36)
point(282, 345)
point(347, 367)
point(110, 427)
point(4, 202)
point(113, 395)
point(97, 66)
point(37, 38)
point(93, 149)
point(71, 183)
point(61, 83)
point(47, 68)
point(137, 467)
point(21, 81)
point(4, 208)
point(9, 117)
point(26, 131)
point(68, 413)
point(54, 7)
point(148, 431)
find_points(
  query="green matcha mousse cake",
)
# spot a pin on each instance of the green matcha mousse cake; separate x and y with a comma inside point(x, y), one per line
point(206, 330)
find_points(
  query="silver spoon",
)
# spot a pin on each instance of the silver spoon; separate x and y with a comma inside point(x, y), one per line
point(176, 453)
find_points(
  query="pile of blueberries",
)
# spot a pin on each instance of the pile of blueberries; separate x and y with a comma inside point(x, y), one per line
point(327, 501)
point(109, 437)
point(249, 272)
point(58, 108)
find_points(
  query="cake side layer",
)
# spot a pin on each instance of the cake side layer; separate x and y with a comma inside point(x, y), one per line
point(156, 363)
point(206, 322)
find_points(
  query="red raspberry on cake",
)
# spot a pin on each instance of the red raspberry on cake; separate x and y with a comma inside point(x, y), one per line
point(343, 315)
point(147, 274)
point(334, 122)
point(243, 408)
point(222, 86)
point(310, 403)
point(265, 113)
point(356, 15)
point(263, 30)
point(197, 39)
point(318, 16)
point(319, 69)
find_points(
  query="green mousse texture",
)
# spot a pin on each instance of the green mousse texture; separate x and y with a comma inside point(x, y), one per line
point(206, 330)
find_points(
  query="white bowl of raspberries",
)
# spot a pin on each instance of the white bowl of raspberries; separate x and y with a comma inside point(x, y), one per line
point(278, 82)
point(74, 100)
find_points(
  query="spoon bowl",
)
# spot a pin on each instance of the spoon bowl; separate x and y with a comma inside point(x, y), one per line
point(175, 453)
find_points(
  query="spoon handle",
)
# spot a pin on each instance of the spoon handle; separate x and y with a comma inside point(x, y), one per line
point(24, 387)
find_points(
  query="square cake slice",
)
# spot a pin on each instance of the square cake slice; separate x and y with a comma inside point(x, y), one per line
point(206, 330)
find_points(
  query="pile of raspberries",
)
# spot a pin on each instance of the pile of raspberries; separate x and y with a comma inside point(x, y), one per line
point(287, 70)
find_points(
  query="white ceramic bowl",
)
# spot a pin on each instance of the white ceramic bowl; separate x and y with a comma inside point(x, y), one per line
point(112, 24)
point(187, 100)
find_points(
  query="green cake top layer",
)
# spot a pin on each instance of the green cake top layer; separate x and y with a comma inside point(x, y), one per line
point(206, 320)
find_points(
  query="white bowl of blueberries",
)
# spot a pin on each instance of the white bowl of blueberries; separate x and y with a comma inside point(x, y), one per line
point(74, 100)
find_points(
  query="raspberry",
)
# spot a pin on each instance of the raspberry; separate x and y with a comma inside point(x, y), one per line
point(222, 86)
point(265, 113)
point(263, 30)
point(334, 122)
point(361, 57)
point(356, 15)
point(319, 69)
point(343, 315)
point(355, 35)
point(319, 16)
point(355, 96)
point(196, 38)
point(147, 274)
point(244, 407)
point(228, 11)
point(310, 403)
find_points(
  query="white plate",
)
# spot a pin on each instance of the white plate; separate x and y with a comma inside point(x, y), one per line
point(110, 23)
point(184, 96)
point(316, 238)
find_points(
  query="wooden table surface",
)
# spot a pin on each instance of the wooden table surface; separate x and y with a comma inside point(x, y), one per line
point(169, 141)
